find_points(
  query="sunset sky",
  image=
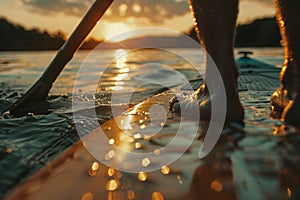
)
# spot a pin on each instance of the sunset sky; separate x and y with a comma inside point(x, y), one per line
point(123, 15)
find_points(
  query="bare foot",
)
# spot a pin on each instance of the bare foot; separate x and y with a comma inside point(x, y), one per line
point(287, 91)
point(202, 99)
point(279, 100)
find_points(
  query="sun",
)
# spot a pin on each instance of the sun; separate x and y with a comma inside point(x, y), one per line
point(116, 32)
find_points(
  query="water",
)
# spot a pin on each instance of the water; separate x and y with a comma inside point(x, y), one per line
point(30, 142)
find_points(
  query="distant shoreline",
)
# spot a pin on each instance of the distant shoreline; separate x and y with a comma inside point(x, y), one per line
point(259, 33)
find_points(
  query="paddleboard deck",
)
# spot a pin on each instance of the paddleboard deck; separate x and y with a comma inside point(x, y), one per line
point(249, 163)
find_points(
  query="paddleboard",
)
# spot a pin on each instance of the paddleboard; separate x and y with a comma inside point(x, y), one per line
point(247, 163)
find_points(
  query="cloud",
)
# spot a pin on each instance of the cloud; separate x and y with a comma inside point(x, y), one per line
point(48, 7)
point(155, 11)
point(135, 11)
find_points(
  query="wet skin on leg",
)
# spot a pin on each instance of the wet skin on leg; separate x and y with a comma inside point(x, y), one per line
point(215, 22)
point(288, 17)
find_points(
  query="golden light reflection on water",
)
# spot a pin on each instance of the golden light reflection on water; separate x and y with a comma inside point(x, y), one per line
point(143, 126)
point(122, 137)
point(156, 152)
point(157, 196)
point(137, 136)
point(87, 196)
point(130, 139)
point(110, 155)
point(93, 169)
point(138, 145)
point(111, 141)
point(95, 166)
point(112, 185)
point(121, 58)
point(118, 174)
point(120, 77)
point(125, 123)
point(110, 172)
point(179, 179)
point(142, 176)
point(165, 170)
point(124, 70)
point(146, 162)
point(147, 137)
point(116, 88)
point(130, 194)
point(113, 80)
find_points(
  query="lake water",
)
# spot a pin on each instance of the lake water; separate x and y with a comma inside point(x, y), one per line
point(30, 142)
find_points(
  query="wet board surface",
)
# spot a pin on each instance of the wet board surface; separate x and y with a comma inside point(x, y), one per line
point(258, 162)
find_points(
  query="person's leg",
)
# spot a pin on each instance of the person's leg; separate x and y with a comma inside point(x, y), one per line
point(215, 22)
point(288, 17)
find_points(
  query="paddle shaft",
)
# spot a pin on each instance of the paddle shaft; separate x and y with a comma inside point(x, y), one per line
point(40, 89)
point(67, 51)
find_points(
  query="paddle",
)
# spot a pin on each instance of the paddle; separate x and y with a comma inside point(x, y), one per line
point(39, 91)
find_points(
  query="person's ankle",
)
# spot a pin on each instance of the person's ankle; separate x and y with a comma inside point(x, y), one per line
point(291, 113)
point(288, 76)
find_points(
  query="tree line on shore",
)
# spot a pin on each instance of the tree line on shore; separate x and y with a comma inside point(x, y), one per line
point(259, 33)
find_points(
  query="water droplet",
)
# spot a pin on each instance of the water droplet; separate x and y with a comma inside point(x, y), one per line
point(111, 141)
point(118, 175)
point(179, 179)
point(110, 172)
point(109, 155)
point(130, 139)
point(165, 170)
point(157, 196)
point(87, 196)
point(142, 176)
point(141, 121)
point(156, 152)
point(138, 145)
point(122, 137)
point(137, 136)
point(130, 194)
point(109, 128)
point(143, 126)
point(145, 162)
point(6, 115)
point(216, 186)
point(95, 166)
point(111, 185)
point(93, 169)
point(30, 114)
point(289, 192)
point(92, 172)
point(147, 137)
point(9, 150)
